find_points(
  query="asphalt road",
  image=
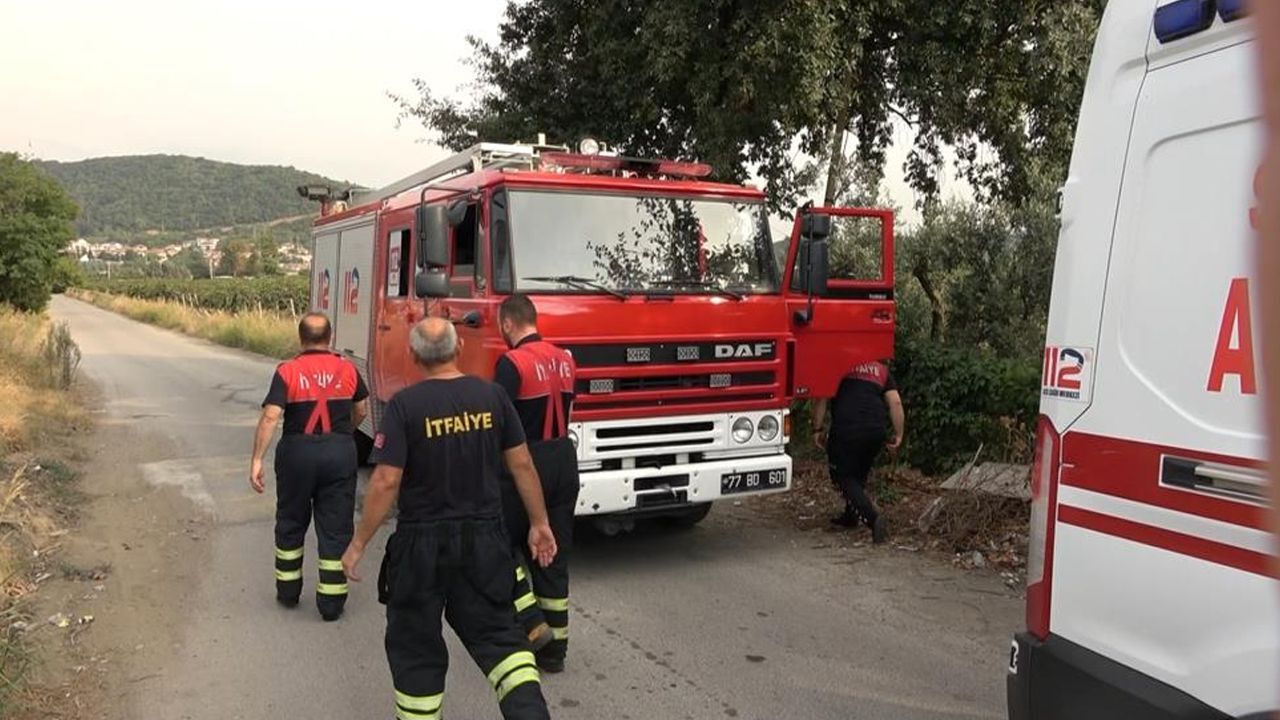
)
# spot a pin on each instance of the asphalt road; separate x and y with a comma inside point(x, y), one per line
point(736, 618)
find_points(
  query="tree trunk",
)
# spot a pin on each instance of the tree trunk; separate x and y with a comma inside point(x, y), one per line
point(937, 316)
point(835, 169)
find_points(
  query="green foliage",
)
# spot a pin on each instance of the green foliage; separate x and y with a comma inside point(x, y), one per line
point(67, 273)
point(273, 294)
point(35, 224)
point(959, 399)
point(124, 196)
point(743, 85)
point(973, 300)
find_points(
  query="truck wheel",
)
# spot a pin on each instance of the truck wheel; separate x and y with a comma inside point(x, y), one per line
point(364, 446)
point(690, 517)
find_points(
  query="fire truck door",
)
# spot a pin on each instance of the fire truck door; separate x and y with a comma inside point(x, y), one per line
point(392, 369)
point(851, 320)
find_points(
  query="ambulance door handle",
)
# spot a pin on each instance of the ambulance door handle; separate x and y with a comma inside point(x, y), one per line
point(1231, 481)
point(384, 327)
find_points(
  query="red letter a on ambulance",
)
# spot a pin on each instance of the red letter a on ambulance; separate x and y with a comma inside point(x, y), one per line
point(1237, 323)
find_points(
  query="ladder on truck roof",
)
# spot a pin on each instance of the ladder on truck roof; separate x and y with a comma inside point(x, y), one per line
point(482, 156)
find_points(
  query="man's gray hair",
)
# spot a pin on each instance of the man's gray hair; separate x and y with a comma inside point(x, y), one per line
point(441, 348)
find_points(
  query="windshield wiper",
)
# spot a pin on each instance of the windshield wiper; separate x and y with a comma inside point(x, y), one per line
point(579, 282)
point(703, 284)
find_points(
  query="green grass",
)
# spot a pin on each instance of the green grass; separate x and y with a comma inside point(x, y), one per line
point(266, 333)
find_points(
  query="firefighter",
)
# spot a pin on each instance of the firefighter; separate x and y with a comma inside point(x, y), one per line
point(539, 378)
point(440, 451)
point(866, 402)
point(323, 400)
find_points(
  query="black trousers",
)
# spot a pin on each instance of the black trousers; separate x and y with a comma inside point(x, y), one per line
point(541, 595)
point(850, 455)
point(463, 569)
point(315, 477)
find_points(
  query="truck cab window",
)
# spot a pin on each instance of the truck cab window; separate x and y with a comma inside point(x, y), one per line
point(398, 274)
point(501, 236)
point(464, 245)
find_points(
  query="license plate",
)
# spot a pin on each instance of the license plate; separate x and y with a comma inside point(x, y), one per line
point(754, 481)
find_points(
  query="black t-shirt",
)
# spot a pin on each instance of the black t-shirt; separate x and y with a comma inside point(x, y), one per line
point(448, 436)
point(318, 390)
point(533, 410)
point(859, 404)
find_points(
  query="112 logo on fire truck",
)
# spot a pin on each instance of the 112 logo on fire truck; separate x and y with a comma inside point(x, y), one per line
point(1066, 373)
point(322, 294)
point(351, 291)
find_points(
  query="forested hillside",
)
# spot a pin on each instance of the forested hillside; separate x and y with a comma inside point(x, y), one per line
point(130, 194)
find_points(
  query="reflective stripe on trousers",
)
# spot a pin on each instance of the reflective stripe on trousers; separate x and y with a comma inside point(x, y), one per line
point(517, 669)
point(418, 707)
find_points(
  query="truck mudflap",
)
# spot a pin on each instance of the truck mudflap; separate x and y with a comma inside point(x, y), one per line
point(1058, 679)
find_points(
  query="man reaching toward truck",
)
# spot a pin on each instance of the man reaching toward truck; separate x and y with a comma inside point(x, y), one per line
point(866, 402)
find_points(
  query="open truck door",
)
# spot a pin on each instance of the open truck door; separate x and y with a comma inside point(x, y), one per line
point(839, 291)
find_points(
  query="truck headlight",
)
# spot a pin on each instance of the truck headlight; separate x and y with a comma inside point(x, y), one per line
point(768, 428)
point(573, 436)
point(743, 429)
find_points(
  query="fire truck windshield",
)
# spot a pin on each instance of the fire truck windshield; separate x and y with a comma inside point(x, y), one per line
point(639, 244)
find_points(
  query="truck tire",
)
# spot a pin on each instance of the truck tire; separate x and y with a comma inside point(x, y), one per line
point(689, 518)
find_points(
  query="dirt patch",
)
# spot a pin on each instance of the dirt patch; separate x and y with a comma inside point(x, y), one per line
point(96, 603)
point(973, 529)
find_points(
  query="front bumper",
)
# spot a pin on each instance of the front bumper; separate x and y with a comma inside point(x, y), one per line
point(672, 487)
point(1057, 679)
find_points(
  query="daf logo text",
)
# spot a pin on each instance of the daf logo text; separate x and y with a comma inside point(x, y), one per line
point(744, 350)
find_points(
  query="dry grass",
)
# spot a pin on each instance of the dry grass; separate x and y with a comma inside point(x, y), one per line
point(266, 333)
point(38, 361)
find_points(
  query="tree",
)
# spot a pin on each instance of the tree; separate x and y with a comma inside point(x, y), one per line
point(234, 259)
point(36, 219)
point(745, 85)
point(194, 261)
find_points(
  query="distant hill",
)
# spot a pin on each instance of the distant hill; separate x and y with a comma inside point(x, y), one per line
point(134, 193)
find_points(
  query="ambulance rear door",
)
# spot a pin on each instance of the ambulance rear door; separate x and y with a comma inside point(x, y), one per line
point(1161, 553)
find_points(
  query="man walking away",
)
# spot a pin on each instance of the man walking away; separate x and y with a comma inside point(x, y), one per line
point(440, 450)
point(865, 403)
point(323, 400)
point(539, 379)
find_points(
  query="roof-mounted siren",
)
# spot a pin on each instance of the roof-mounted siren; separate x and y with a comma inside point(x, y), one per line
point(594, 156)
point(331, 203)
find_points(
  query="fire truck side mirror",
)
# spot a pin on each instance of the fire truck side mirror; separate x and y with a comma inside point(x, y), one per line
point(816, 261)
point(431, 284)
point(433, 237)
point(457, 212)
point(816, 227)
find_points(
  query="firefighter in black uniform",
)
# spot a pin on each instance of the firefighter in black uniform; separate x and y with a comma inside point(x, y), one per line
point(323, 400)
point(440, 449)
point(866, 403)
point(539, 378)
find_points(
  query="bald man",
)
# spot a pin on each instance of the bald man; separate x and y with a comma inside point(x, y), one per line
point(322, 399)
point(440, 450)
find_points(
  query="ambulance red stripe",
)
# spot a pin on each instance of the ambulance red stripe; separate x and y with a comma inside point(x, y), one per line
point(1180, 543)
point(1131, 470)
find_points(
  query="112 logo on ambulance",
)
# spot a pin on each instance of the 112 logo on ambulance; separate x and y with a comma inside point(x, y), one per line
point(1066, 373)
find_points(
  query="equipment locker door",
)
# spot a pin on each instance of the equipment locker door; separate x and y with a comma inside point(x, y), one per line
point(324, 268)
point(851, 321)
point(355, 290)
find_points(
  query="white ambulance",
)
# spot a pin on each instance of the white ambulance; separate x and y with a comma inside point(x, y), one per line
point(1151, 589)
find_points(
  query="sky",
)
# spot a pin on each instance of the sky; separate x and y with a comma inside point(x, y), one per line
point(277, 83)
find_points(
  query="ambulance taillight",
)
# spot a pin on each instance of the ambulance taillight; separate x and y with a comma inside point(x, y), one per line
point(1044, 492)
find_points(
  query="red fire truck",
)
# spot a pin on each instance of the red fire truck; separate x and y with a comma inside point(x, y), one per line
point(693, 330)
